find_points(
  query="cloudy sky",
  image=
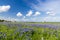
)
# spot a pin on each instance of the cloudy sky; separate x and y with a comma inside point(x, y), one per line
point(30, 10)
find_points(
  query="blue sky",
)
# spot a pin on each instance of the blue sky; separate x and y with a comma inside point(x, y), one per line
point(30, 10)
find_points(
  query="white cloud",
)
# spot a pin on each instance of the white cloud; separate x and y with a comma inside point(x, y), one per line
point(4, 8)
point(51, 13)
point(51, 19)
point(29, 13)
point(47, 5)
point(36, 14)
point(19, 14)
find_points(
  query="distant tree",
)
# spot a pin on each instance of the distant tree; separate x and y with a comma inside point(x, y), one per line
point(2, 20)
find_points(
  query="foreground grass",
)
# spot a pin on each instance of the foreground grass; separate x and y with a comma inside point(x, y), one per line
point(36, 33)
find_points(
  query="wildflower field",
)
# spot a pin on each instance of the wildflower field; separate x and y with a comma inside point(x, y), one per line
point(29, 31)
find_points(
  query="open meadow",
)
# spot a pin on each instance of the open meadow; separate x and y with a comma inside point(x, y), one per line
point(30, 31)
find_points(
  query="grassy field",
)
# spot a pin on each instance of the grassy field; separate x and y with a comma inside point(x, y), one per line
point(30, 31)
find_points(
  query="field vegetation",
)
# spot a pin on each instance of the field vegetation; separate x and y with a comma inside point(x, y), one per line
point(29, 31)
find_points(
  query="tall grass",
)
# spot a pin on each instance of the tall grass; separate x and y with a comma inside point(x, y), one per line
point(25, 32)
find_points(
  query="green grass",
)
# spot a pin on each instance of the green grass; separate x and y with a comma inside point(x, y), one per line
point(38, 33)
